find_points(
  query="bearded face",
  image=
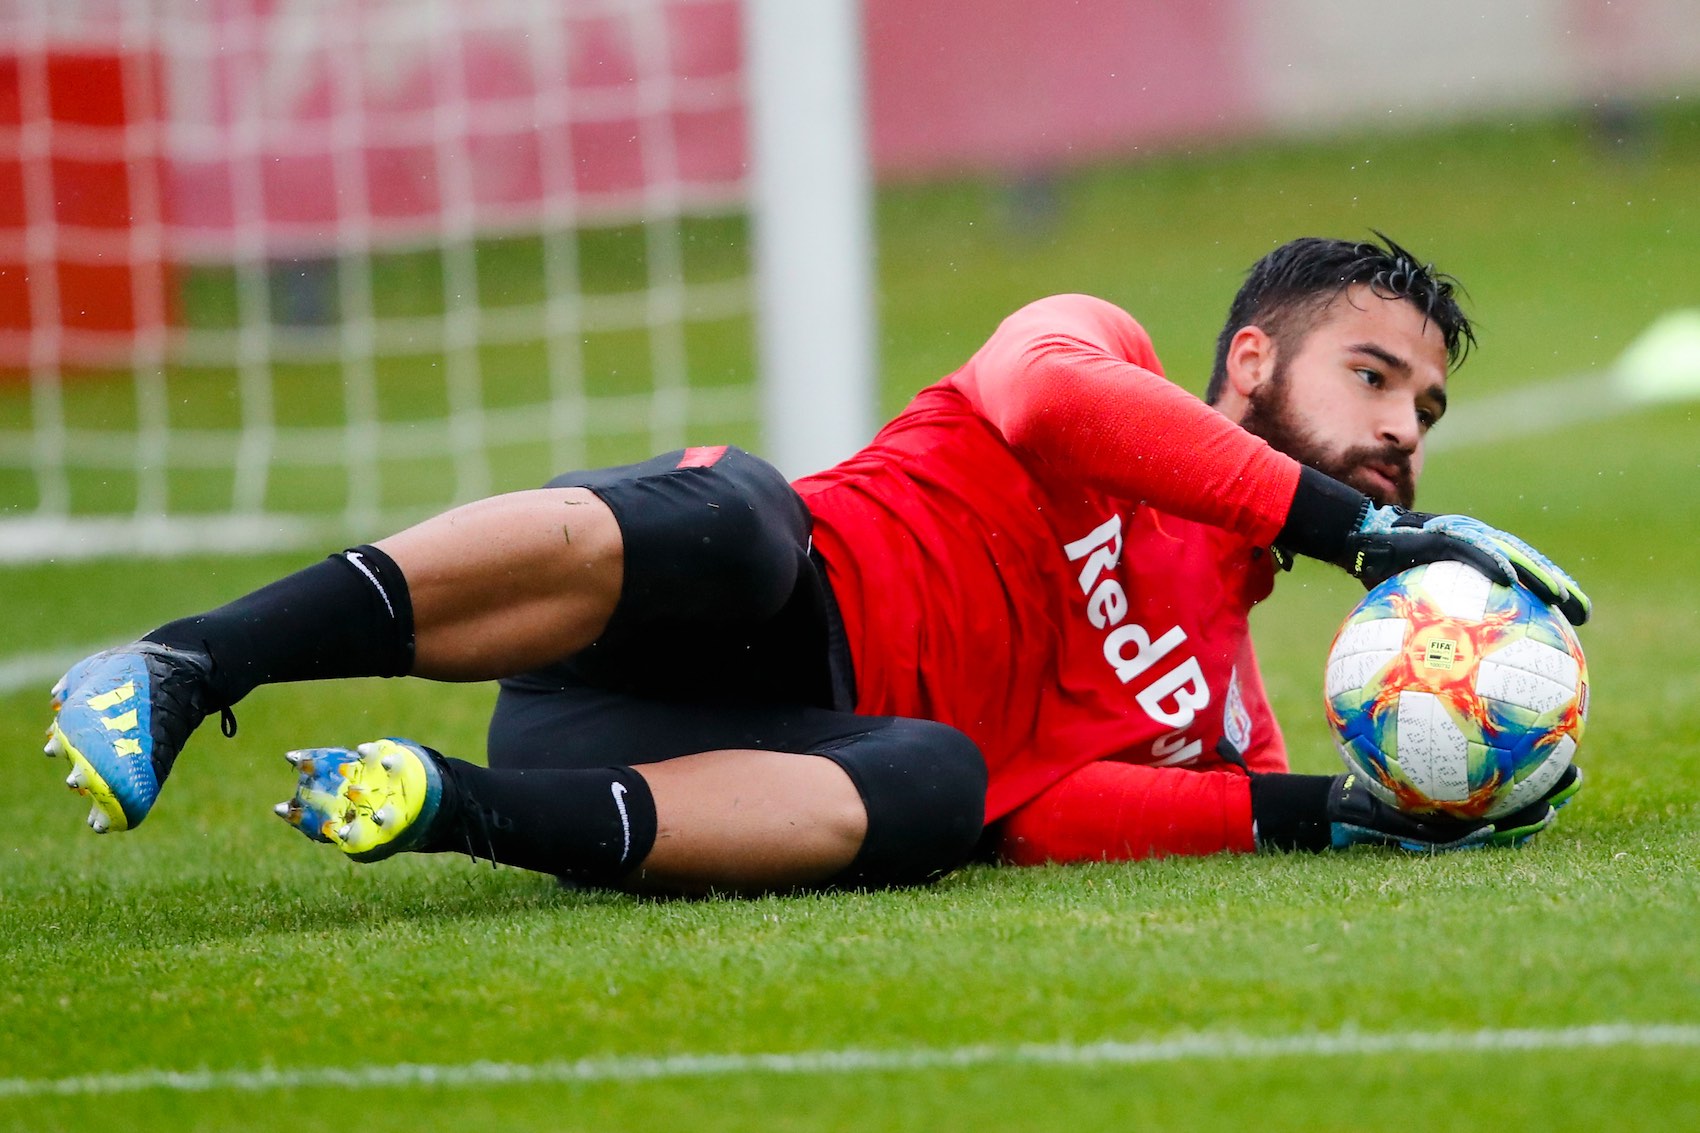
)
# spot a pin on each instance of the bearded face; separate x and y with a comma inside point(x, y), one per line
point(1381, 472)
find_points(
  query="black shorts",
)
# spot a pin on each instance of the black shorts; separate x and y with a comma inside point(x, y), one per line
point(726, 636)
point(722, 601)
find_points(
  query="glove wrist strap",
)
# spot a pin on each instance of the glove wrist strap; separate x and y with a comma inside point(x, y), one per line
point(1324, 515)
point(1290, 812)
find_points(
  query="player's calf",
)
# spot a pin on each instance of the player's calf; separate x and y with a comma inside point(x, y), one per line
point(124, 715)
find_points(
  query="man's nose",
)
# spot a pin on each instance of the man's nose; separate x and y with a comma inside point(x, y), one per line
point(1400, 426)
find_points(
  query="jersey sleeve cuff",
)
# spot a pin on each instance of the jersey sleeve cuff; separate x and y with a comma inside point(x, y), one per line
point(1290, 812)
point(1324, 514)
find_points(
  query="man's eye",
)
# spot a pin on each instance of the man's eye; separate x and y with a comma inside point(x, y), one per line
point(1426, 419)
point(1370, 377)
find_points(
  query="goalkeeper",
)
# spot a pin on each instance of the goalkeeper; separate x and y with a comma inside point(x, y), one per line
point(1016, 621)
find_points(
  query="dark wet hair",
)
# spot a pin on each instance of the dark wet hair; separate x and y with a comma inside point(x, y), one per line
point(1286, 290)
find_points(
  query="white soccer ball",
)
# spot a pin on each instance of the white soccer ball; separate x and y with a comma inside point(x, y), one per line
point(1454, 694)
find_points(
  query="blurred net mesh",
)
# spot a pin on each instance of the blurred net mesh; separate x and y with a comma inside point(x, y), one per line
point(276, 269)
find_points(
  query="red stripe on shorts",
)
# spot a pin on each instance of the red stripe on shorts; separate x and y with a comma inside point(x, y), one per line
point(701, 457)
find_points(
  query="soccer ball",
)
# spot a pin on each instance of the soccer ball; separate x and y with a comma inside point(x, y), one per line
point(1454, 694)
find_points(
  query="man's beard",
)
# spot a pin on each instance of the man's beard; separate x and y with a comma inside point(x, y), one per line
point(1270, 415)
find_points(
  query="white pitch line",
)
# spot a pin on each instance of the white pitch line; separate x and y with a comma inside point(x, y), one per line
point(1544, 407)
point(26, 670)
point(635, 1068)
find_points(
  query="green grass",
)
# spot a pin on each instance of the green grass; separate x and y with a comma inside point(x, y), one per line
point(216, 938)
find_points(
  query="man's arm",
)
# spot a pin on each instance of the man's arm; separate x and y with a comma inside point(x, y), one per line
point(1109, 811)
point(1073, 383)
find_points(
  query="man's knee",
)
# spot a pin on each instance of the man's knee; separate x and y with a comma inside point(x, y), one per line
point(924, 786)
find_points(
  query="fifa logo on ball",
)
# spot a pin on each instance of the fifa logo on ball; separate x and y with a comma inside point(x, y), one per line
point(1440, 653)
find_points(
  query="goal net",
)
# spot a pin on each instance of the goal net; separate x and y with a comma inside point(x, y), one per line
point(278, 271)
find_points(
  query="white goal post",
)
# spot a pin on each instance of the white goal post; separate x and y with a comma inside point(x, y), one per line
point(814, 269)
point(276, 274)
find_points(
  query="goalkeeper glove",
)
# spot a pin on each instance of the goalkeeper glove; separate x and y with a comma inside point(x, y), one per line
point(1357, 817)
point(1312, 812)
point(1338, 524)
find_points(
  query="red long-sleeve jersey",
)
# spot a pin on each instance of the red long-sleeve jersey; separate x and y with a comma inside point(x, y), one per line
point(1055, 550)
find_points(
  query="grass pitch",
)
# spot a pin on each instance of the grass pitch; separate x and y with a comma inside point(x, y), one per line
point(215, 939)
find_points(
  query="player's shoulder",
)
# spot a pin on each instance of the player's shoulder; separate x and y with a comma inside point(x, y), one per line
point(1077, 304)
point(1089, 312)
point(1088, 319)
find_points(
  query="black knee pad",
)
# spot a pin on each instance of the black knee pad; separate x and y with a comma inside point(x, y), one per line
point(710, 534)
point(924, 786)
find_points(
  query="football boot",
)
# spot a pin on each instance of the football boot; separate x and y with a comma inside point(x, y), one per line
point(121, 717)
point(372, 802)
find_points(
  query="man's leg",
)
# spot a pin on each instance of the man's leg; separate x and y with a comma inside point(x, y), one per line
point(484, 590)
point(879, 801)
point(487, 589)
point(749, 820)
point(1113, 811)
point(510, 583)
point(491, 588)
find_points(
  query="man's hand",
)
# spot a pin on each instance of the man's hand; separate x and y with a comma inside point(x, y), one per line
point(1391, 539)
point(1338, 524)
point(1358, 818)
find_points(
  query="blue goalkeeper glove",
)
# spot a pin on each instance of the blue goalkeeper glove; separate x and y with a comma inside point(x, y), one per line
point(1358, 818)
point(1339, 524)
point(1391, 539)
point(1315, 812)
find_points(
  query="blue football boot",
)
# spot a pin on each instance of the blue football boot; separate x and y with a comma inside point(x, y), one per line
point(377, 800)
point(121, 717)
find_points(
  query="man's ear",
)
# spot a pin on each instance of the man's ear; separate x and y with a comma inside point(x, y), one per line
point(1251, 360)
